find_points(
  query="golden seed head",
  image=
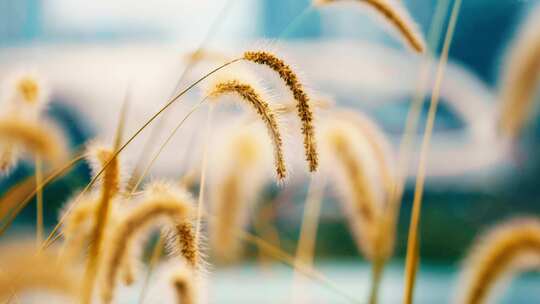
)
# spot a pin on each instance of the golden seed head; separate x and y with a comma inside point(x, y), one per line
point(520, 78)
point(175, 207)
point(98, 155)
point(28, 135)
point(303, 104)
point(257, 101)
point(508, 248)
point(396, 15)
point(351, 160)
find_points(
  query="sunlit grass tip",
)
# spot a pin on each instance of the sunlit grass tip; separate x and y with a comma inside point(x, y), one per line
point(393, 13)
point(30, 136)
point(249, 91)
point(520, 77)
point(506, 249)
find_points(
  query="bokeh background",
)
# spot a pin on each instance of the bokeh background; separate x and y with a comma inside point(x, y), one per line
point(91, 51)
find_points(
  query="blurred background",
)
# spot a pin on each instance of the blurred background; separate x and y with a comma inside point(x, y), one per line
point(92, 52)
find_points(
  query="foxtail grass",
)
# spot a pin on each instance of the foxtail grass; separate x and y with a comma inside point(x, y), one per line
point(521, 77)
point(34, 137)
point(254, 98)
point(395, 15)
point(175, 206)
point(303, 103)
point(109, 189)
point(508, 248)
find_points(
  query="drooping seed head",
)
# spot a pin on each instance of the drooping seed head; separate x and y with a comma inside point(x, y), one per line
point(237, 181)
point(98, 155)
point(509, 248)
point(395, 14)
point(25, 135)
point(521, 76)
point(350, 159)
point(303, 103)
point(247, 91)
point(173, 207)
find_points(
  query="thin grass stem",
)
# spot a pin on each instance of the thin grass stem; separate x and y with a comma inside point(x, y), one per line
point(158, 128)
point(412, 245)
point(146, 124)
point(202, 183)
point(39, 200)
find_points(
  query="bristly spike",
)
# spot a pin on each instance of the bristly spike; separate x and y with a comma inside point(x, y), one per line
point(28, 135)
point(303, 103)
point(246, 90)
point(395, 14)
point(511, 247)
point(174, 205)
point(521, 77)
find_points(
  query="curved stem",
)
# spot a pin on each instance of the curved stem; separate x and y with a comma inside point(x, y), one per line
point(147, 123)
point(156, 130)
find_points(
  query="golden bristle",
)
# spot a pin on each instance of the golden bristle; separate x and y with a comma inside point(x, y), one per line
point(76, 229)
point(505, 249)
point(183, 243)
point(175, 206)
point(97, 156)
point(397, 16)
point(31, 136)
point(521, 77)
point(254, 98)
point(184, 284)
point(303, 103)
point(22, 269)
point(80, 222)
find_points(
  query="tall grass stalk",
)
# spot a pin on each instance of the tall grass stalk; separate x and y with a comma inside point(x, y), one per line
point(413, 115)
point(412, 244)
point(39, 200)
